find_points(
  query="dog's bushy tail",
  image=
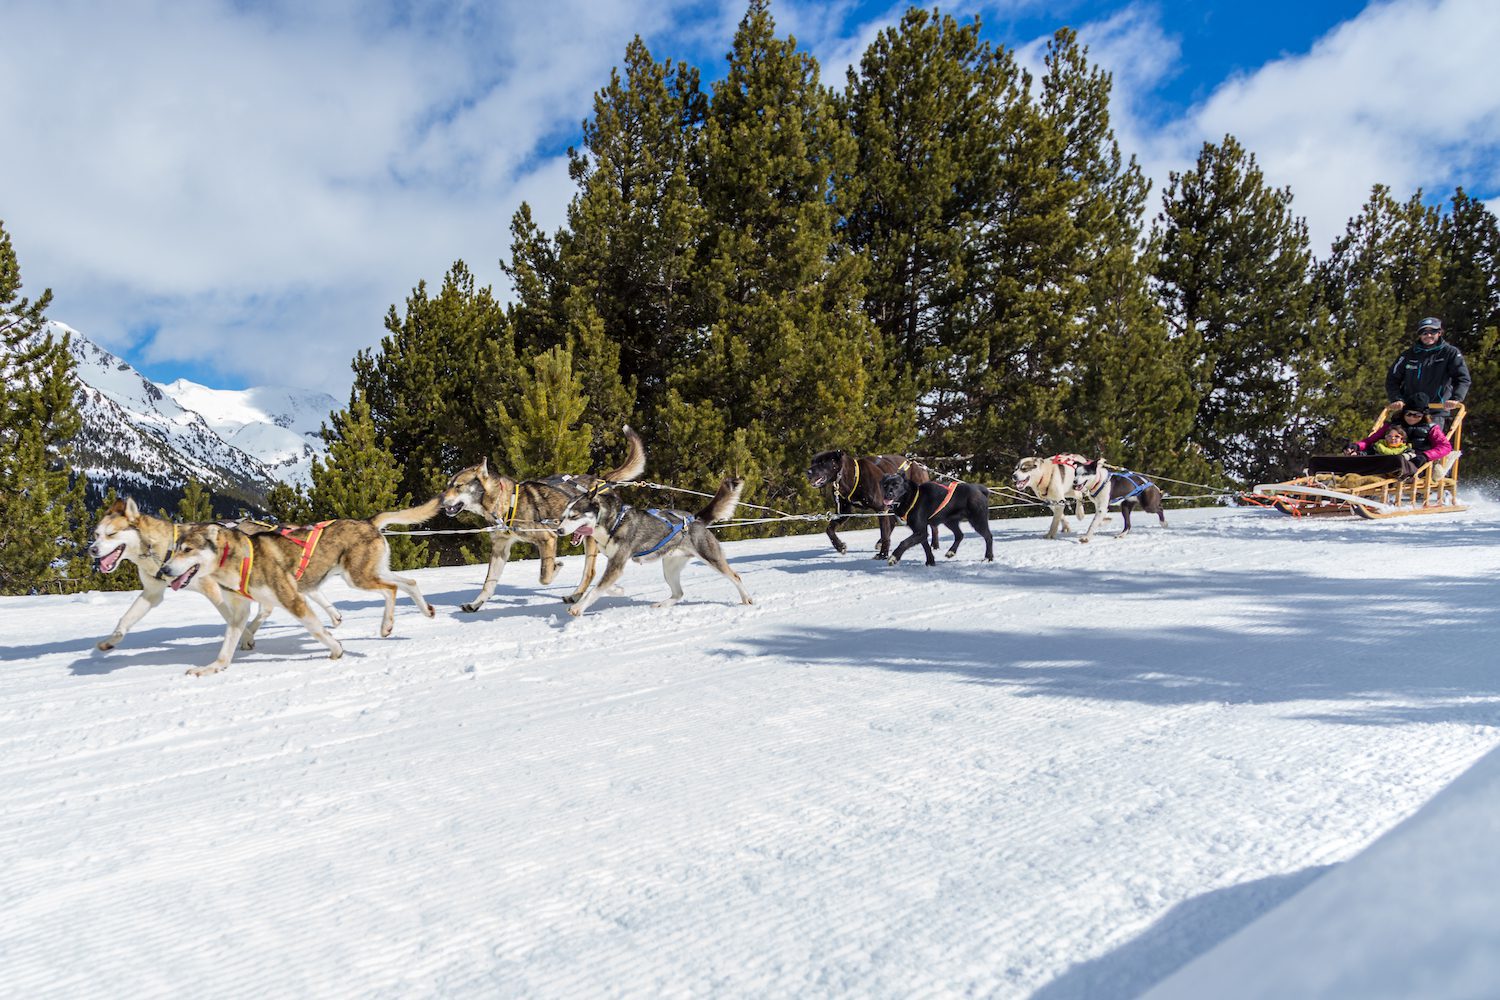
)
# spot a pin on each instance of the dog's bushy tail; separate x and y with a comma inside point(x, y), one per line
point(635, 461)
point(411, 515)
point(724, 501)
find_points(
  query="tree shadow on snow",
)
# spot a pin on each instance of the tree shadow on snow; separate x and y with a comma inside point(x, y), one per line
point(1186, 931)
point(1303, 638)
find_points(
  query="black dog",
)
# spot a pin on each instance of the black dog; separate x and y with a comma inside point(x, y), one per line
point(1128, 489)
point(855, 480)
point(921, 505)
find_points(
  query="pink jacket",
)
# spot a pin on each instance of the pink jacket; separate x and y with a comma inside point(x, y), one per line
point(1438, 445)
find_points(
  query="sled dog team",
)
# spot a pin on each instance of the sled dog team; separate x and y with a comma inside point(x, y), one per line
point(240, 565)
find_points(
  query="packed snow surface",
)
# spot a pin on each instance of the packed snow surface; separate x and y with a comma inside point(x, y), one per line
point(1066, 774)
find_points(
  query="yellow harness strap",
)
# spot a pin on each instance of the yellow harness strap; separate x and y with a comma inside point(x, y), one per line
point(850, 497)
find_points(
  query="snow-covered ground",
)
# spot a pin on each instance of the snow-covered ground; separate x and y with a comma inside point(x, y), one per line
point(1068, 774)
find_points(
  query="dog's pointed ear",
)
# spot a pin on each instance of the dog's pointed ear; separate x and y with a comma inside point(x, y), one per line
point(484, 467)
point(130, 510)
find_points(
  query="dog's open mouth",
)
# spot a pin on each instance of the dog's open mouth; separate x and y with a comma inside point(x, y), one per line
point(819, 481)
point(107, 563)
point(453, 509)
point(581, 532)
point(182, 581)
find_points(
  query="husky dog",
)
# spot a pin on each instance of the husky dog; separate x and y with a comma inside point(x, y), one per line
point(522, 511)
point(269, 568)
point(1119, 486)
point(125, 533)
point(1054, 481)
point(673, 536)
point(855, 481)
point(922, 504)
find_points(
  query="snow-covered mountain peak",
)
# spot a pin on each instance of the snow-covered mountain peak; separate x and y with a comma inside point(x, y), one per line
point(141, 435)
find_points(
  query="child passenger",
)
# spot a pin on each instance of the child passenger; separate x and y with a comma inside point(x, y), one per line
point(1394, 442)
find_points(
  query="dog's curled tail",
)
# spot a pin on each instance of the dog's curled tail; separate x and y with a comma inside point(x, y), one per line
point(724, 501)
point(635, 461)
point(411, 515)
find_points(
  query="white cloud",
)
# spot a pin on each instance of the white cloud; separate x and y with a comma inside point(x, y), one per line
point(259, 179)
point(1403, 94)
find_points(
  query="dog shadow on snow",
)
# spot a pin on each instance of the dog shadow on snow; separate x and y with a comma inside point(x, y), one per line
point(1300, 638)
point(194, 646)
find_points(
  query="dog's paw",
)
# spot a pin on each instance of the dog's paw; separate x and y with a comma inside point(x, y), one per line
point(1083, 541)
point(386, 630)
point(571, 599)
point(247, 644)
point(841, 548)
point(336, 652)
point(747, 599)
point(472, 606)
point(429, 611)
point(105, 645)
point(950, 554)
point(576, 611)
point(212, 668)
point(892, 561)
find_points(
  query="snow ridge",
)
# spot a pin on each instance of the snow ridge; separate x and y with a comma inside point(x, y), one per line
point(141, 436)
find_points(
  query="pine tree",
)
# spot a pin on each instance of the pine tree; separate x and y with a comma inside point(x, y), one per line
point(931, 108)
point(1382, 276)
point(629, 249)
point(435, 378)
point(360, 479)
point(289, 504)
point(43, 510)
point(542, 432)
point(1470, 310)
point(791, 363)
point(196, 504)
point(1233, 275)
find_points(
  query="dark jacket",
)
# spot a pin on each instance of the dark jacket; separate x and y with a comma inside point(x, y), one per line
point(1439, 371)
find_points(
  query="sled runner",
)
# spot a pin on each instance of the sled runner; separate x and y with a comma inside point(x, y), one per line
point(1370, 486)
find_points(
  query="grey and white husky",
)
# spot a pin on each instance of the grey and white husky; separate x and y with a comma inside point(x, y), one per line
point(673, 536)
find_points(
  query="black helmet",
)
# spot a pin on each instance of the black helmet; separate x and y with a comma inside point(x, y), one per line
point(1430, 323)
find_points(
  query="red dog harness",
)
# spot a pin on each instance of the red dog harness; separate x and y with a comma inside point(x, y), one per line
point(308, 544)
point(245, 566)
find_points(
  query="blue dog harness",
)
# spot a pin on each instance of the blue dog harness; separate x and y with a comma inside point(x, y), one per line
point(673, 529)
point(1139, 483)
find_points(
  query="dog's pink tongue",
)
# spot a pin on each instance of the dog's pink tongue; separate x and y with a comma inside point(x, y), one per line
point(108, 562)
point(581, 532)
point(179, 582)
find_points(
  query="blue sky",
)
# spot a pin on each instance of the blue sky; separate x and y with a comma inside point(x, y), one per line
point(235, 192)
